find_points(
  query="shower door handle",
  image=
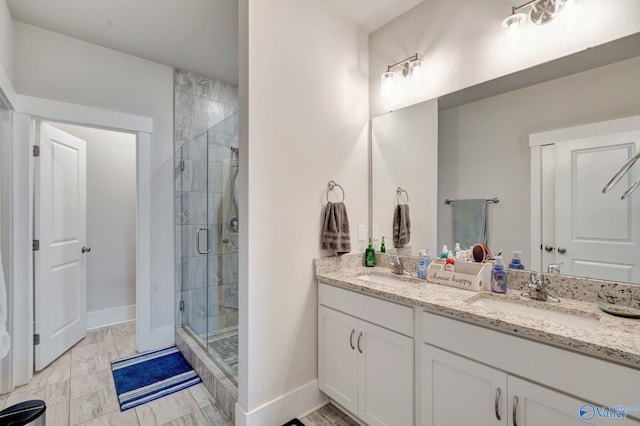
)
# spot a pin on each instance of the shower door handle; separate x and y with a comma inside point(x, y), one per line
point(208, 250)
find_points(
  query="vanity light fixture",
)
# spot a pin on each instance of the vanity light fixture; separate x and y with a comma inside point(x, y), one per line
point(408, 68)
point(540, 12)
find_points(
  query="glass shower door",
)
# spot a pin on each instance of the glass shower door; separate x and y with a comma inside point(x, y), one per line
point(209, 238)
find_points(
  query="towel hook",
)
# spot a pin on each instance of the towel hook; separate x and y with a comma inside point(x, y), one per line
point(399, 192)
point(330, 186)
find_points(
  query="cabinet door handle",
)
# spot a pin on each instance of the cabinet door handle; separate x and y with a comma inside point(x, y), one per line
point(351, 339)
point(498, 392)
point(515, 408)
point(359, 336)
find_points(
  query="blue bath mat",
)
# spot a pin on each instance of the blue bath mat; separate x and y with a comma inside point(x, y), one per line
point(151, 375)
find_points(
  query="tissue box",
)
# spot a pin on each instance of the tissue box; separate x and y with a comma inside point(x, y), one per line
point(467, 275)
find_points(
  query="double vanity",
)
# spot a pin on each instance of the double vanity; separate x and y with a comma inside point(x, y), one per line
point(393, 350)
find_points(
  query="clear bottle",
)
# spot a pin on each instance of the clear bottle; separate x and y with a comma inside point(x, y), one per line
point(456, 251)
point(450, 262)
point(370, 256)
point(423, 263)
point(444, 252)
point(498, 277)
point(383, 249)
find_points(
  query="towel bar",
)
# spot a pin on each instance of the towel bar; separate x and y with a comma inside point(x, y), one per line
point(492, 200)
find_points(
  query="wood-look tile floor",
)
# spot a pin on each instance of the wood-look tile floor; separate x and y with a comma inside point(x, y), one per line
point(329, 415)
point(78, 389)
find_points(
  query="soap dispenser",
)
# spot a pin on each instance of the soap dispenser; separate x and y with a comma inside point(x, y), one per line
point(444, 253)
point(498, 277)
point(516, 263)
point(370, 256)
point(383, 249)
point(448, 265)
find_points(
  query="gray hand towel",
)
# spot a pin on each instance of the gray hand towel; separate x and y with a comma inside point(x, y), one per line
point(401, 226)
point(470, 222)
point(335, 233)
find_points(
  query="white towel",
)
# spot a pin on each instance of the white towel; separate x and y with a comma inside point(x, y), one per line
point(5, 341)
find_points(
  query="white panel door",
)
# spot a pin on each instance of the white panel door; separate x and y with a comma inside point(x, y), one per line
point(457, 391)
point(385, 376)
point(60, 265)
point(597, 235)
point(337, 357)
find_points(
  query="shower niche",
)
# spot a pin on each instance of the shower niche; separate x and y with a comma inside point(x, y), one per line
point(207, 198)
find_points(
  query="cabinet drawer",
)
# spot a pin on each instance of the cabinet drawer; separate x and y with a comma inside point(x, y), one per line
point(390, 315)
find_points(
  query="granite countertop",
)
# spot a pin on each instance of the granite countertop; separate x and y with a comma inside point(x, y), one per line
point(614, 338)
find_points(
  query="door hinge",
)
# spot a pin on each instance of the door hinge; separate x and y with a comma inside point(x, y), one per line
point(36, 245)
point(36, 339)
point(181, 305)
point(36, 151)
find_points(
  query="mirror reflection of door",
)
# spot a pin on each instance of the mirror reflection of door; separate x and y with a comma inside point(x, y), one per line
point(596, 235)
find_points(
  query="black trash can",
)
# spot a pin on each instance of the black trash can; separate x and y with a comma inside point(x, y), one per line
point(24, 413)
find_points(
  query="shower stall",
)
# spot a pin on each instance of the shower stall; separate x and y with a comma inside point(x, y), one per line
point(206, 188)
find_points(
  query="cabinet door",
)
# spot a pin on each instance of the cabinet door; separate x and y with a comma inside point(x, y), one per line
point(337, 357)
point(535, 405)
point(457, 391)
point(385, 376)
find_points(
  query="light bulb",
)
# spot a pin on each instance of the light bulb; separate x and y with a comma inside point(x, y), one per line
point(514, 21)
point(387, 84)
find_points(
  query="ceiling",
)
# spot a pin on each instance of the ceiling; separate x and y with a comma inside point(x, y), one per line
point(194, 35)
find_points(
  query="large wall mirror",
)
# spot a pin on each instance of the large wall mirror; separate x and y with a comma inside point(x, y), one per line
point(483, 151)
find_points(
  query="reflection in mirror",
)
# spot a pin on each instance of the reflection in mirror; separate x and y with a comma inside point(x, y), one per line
point(483, 152)
point(405, 154)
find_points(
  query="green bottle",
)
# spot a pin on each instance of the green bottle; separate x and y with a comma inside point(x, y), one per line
point(370, 255)
point(383, 249)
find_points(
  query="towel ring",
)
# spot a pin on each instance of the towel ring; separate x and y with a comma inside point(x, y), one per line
point(399, 192)
point(330, 186)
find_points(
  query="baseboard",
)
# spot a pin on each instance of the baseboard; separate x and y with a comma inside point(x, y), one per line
point(107, 317)
point(295, 403)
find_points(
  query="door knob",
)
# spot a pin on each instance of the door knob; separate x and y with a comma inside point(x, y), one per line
point(548, 248)
point(562, 250)
point(85, 249)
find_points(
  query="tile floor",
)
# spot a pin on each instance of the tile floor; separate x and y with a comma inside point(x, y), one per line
point(78, 389)
point(328, 415)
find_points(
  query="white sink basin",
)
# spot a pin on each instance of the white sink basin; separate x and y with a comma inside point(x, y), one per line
point(380, 279)
point(511, 307)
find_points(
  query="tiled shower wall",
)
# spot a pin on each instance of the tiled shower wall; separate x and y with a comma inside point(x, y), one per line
point(206, 128)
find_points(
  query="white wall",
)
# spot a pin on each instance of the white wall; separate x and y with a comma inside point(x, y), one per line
point(111, 220)
point(463, 43)
point(484, 146)
point(303, 97)
point(53, 66)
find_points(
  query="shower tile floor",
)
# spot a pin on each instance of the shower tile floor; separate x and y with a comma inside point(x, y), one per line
point(224, 349)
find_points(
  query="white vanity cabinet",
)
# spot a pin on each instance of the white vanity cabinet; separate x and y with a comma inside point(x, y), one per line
point(366, 357)
point(474, 376)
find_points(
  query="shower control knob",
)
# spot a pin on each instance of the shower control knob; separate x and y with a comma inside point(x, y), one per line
point(85, 249)
point(548, 248)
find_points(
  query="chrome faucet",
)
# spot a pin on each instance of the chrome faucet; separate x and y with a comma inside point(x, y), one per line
point(554, 268)
point(397, 266)
point(538, 289)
